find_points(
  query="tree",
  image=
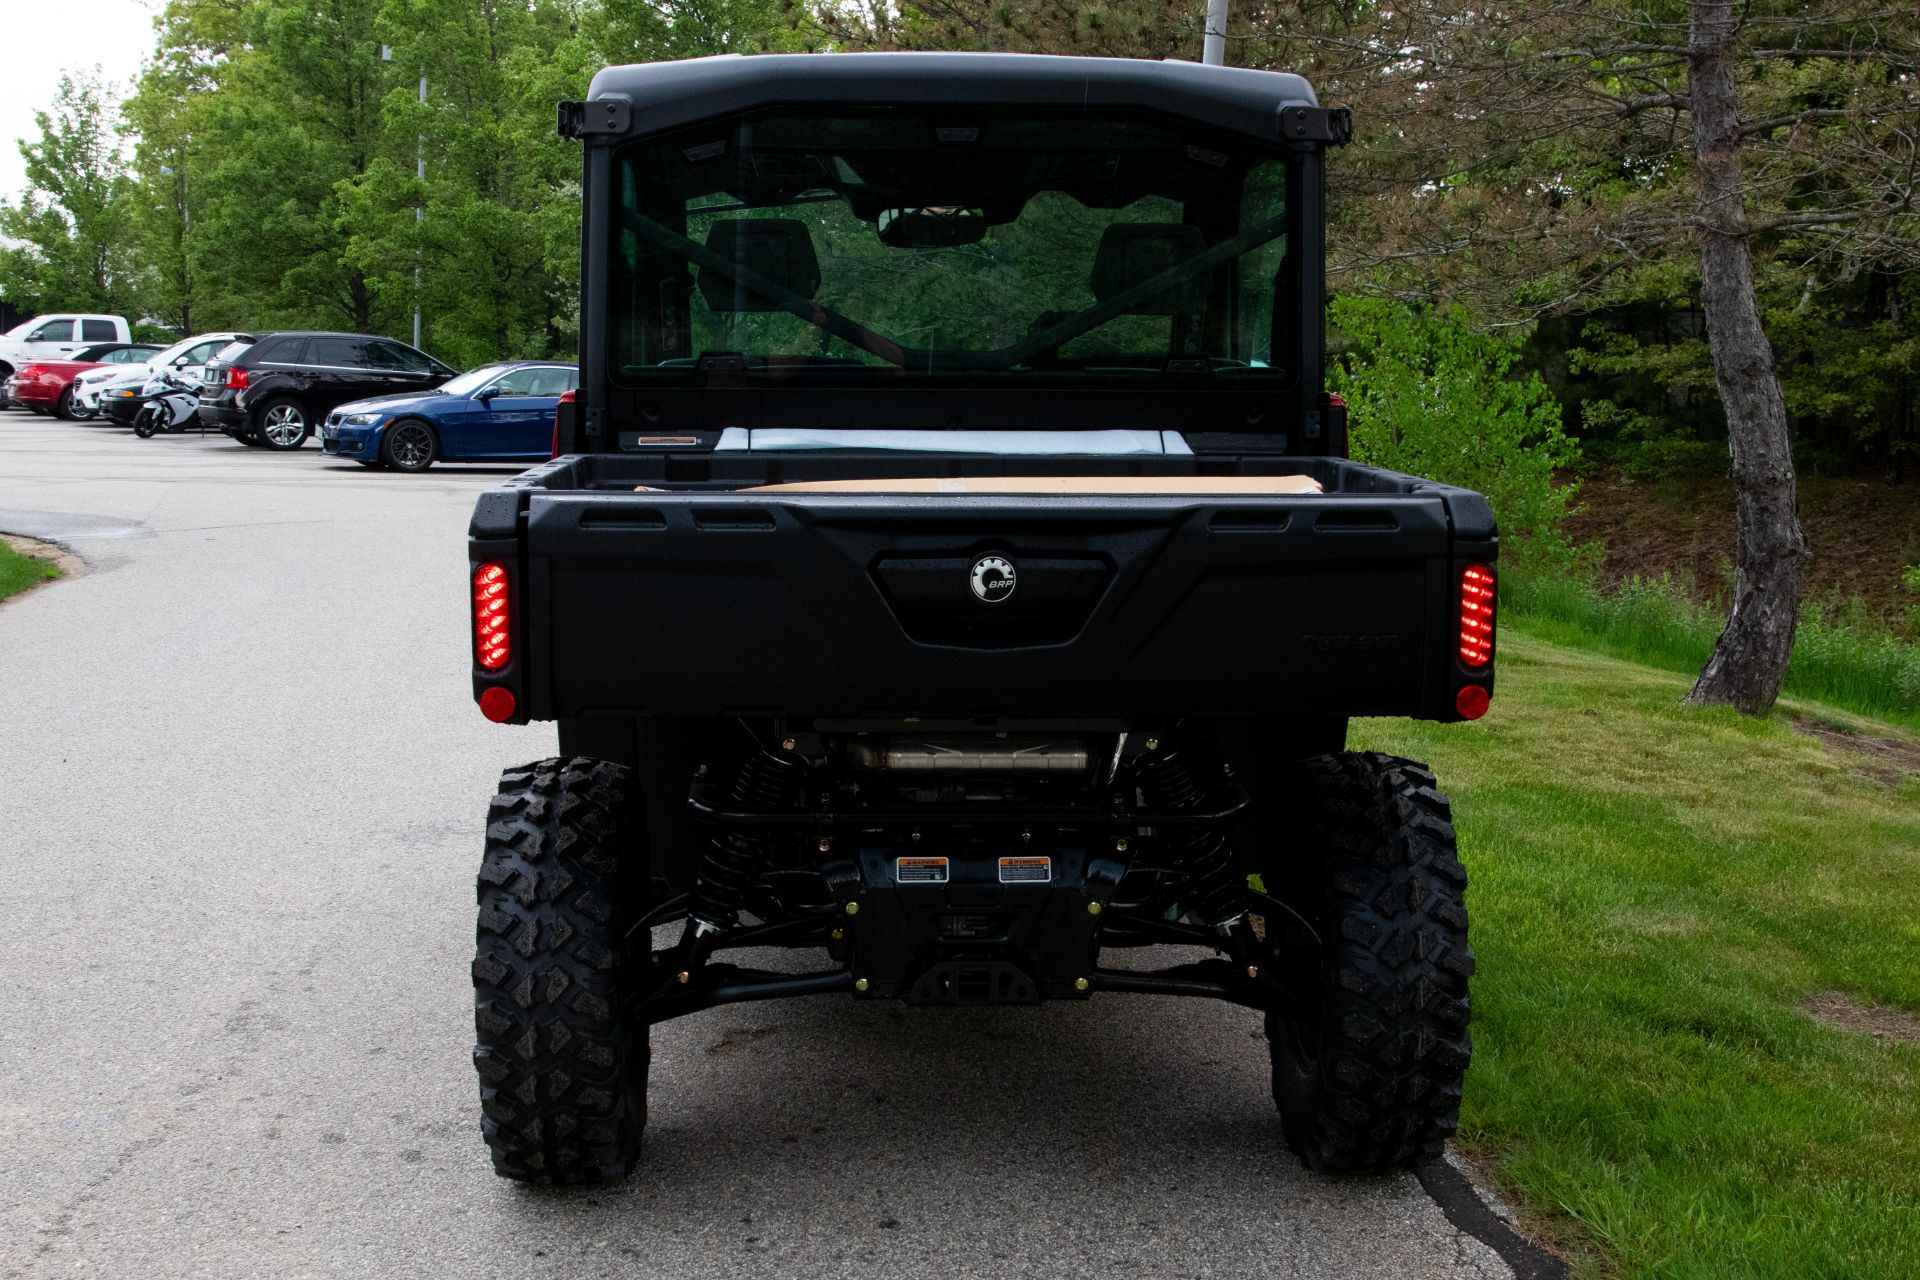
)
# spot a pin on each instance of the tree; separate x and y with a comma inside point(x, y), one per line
point(71, 224)
point(290, 109)
point(1749, 661)
point(496, 240)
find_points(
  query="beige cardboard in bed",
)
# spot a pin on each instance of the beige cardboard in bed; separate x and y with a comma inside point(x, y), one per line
point(1054, 484)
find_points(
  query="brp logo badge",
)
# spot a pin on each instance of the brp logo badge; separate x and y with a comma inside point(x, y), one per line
point(993, 579)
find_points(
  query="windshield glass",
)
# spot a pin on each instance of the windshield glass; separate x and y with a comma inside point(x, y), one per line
point(169, 353)
point(470, 381)
point(962, 241)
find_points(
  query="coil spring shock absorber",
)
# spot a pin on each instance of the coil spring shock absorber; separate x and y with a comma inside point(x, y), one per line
point(1174, 780)
point(732, 861)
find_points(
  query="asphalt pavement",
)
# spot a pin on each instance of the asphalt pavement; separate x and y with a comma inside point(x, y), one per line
point(244, 790)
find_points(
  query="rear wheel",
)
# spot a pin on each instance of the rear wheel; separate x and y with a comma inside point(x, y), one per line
point(281, 423)
point(562, 1060)
point(1372, 1083)
point(408, 446)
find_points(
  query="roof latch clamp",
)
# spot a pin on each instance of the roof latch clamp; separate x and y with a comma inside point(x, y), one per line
point(1331, 125)
point(602, 116)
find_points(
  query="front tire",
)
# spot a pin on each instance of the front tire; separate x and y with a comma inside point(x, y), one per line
point(407, 445)
point(282, 424)
point(1372, 1084)
point(66, 408)
point(562, 1060)
point(147, 422)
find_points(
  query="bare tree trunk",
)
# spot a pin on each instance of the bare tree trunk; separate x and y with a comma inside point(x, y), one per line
point(361, 299)
point(1770, 553)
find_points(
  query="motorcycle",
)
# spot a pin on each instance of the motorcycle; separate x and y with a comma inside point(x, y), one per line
point(168, 403)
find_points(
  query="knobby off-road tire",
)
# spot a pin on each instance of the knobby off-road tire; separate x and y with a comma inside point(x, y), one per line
point(562, 1063)
point(1374, 1084)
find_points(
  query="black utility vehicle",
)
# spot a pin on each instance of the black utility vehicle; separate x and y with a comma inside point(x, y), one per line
point(276, 392)
point(954, 568)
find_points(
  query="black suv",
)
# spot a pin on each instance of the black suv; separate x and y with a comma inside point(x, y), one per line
point(274, 392)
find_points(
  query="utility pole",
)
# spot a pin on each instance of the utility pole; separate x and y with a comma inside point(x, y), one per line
point(420, 209)
point(1214, 51)
point(420, 206)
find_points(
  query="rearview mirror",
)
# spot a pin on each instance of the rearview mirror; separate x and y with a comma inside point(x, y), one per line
point(488, 393)
point(181, 362)
point(938, 227)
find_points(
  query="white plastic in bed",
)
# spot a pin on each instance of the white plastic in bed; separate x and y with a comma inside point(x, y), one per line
point(1114, 443)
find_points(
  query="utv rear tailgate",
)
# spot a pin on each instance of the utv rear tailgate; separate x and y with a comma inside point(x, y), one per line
point(865, 605)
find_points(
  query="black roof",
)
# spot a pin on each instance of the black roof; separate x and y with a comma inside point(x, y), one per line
point(667, 95)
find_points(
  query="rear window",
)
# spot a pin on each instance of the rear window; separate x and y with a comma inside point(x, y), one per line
point(98, 331)
point(231, 352)
point(279, 350)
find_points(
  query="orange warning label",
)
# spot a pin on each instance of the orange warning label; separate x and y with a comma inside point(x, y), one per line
point(1026, 869)
point(920, 870)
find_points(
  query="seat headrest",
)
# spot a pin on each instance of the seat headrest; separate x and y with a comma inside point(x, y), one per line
point(779, 249)
point(1134, 251)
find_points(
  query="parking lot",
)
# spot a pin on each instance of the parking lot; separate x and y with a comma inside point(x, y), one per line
point(245, 794)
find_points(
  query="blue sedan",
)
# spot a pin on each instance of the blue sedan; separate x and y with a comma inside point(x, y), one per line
point(496, 413)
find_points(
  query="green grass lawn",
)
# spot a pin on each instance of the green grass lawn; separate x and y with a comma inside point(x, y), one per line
point(1655, 889)
point(18, 572)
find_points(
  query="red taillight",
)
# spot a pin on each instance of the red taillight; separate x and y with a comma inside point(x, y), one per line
point(1476, 615)
point(33, 371)
point(236, 379)
point(1471, 702)
point(566, 399)
point(491, 646)
point(496, 704)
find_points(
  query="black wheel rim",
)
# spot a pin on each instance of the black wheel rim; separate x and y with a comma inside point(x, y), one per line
point(411, 446)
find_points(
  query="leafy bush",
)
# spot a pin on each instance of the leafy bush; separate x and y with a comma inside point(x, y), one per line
point(1430, 395)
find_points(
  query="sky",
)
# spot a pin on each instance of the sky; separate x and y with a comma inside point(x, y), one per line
point(43, 39)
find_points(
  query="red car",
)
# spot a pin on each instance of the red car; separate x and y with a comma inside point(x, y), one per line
point(46, 386)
